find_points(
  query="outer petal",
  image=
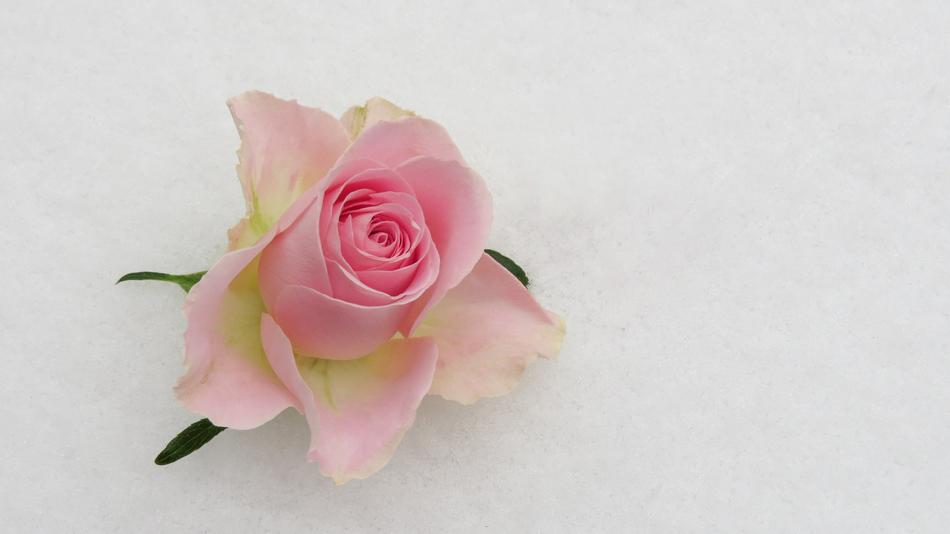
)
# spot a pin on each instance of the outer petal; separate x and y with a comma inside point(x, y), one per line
point(358, 118)
point(488, 329)
point(392, 143)
point(358, 410)
point(285, 148)
point(458, 212)
point(228, 378)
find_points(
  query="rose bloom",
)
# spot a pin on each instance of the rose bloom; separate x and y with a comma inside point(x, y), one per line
point(356, 285)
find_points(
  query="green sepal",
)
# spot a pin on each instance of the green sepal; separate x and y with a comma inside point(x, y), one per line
point(188, 441)
point(186, 281)
point(509, 264)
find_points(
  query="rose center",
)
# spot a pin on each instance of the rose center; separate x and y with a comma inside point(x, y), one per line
point(388, 236)
point(381, 238)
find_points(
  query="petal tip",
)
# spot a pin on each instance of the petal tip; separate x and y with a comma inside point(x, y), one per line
point(557, 336)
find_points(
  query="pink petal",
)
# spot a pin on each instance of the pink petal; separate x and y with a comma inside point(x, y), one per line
point(488, 329)
point(458, 212)
point(321, 326)
point(392, 143)
point(228, 379)
point(408, 281)
point(298, 255)
point(295, 257)
point(358, 118)
point(348, 288)
point(358, 410)
point(285, 148)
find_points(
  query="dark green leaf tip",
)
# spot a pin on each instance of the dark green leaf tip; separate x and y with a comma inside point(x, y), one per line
point(188, 441)
point(185, 281)
point(509, 264)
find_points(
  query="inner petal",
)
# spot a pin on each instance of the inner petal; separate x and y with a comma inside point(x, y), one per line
point(375, 228)
point(378, 236)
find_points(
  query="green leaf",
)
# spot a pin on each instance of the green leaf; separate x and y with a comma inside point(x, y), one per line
point(509, 264)
point(183, 280)
point(188, 441)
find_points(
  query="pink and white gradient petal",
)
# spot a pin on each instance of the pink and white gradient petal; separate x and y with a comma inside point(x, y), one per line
point(376, 109)
point(358, 410)
point(285, 149)
point(228, 379)
point(489, 329)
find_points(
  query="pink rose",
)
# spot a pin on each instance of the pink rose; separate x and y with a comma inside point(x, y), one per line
point(356, 284)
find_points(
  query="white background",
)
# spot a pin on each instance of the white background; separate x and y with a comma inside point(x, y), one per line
point(740, 208)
